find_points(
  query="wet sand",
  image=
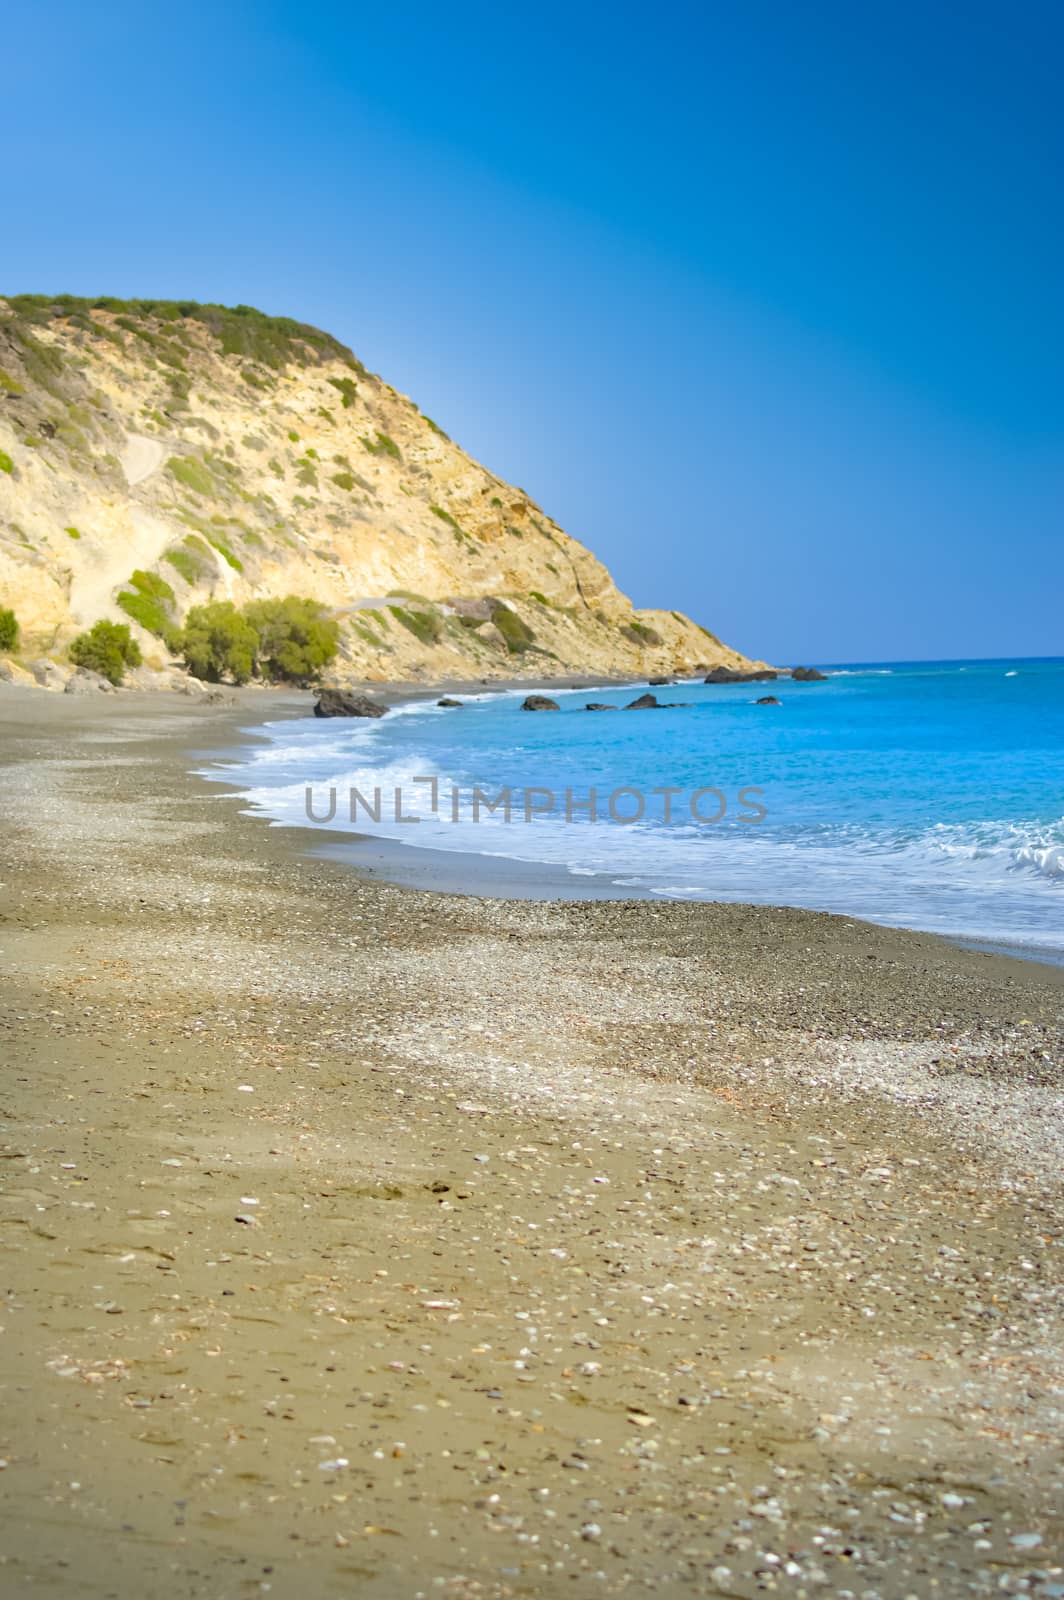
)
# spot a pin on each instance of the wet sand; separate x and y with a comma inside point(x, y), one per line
point(367, 1240)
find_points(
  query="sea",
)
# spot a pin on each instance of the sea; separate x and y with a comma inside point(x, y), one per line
point(917, 794)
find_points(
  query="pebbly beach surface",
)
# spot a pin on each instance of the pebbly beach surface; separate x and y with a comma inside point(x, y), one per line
point(363, 1239)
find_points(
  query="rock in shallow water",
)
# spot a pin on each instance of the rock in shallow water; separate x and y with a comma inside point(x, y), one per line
point(342, 703)
point(730, 675)
point(650, 702)
point(539, 702)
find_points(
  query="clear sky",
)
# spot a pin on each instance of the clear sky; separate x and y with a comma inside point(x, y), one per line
point(762, 301)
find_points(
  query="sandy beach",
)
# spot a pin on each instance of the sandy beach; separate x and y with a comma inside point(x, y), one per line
point(361, 1239)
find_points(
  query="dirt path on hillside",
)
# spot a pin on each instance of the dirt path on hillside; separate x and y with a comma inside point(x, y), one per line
point(141, 457)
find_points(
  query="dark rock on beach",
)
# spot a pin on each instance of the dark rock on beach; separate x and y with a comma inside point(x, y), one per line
point(808, 675)
point(539, 702)
point(86, 681)
point(659, 683)
point(342, 703)
point(448, 702)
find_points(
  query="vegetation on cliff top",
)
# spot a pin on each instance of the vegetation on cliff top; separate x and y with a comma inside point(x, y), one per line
point(276, 342)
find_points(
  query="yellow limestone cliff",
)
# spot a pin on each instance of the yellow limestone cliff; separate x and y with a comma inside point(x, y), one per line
point(155, 455)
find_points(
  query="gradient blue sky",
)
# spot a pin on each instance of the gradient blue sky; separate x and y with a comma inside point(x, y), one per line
point(763, 302)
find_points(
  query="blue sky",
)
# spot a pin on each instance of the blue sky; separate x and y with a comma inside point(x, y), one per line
point(763, 302)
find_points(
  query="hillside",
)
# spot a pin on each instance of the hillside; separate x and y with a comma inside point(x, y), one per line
point(155, 454)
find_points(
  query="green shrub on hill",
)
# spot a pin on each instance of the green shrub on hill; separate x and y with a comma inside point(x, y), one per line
point(296, 638)
point(192, 559)
point(639, 633)
point(424, 625)
point(383, 445)
point(192, 474)
point(284, 641)
point(6, 463)
point(8, 629)
point(274, 342)
point(217, 642)
point(150, 603)
point(517, 634)
point(348, 389)
point(225, 552)
point(108, 648)
point(445, 516)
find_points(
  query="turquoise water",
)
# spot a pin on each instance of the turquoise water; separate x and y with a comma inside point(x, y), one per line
point(919, 794)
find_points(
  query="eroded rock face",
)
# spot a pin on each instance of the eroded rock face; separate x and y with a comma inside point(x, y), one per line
point(345, 703)
point(49, 674)
point(324, 464)
point(808, 675)
point(11, 672)
point(539, 702)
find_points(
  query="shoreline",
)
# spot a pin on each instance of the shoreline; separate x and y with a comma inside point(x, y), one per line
point(496, 875)
point(420, 868)
point(367, 1237)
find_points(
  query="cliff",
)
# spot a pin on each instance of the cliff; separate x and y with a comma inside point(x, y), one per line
point(154, 455)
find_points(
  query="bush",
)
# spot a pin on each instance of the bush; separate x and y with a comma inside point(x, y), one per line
point(445, 516)
point(192, 473)
point(639, 633)
point(150, 603)
point(296, 639)
point(6, 463)
point(348, 389)
point(217, 642)
point(8, 629)
point(344, 480)
point(382, 446)
point(108, 648)
point(225, 552)
point(424, 625)
point(517, 634)
point(191, 559)
point(276, 342)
